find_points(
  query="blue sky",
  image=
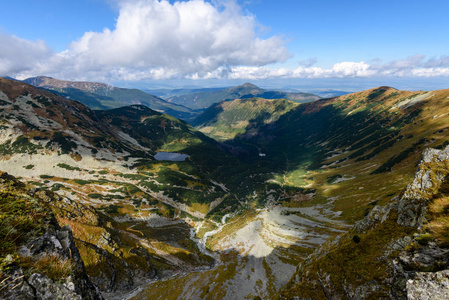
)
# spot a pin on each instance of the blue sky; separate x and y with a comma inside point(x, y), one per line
point(196, 42)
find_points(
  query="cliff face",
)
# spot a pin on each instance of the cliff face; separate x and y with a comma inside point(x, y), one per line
point(38, 258)
point(399, 251)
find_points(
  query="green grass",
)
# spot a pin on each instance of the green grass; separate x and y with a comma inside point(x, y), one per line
point(20, 145)
point(226, 120)
point(69, 167)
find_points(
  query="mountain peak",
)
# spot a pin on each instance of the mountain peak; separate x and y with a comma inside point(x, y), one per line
point(249, 85)
point(246, 88)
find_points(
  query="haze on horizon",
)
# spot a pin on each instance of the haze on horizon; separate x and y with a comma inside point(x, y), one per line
point(345, 44)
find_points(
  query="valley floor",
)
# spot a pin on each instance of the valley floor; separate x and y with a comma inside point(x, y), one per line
point(255, 260)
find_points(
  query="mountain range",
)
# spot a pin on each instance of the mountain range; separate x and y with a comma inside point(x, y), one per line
point(202, 99)
point(186, 104)
point(336, 198)
point(103, 96)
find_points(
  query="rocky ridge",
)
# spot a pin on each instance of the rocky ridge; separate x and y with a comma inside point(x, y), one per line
point(47, 265)
point(98, 95)
point(415, 265)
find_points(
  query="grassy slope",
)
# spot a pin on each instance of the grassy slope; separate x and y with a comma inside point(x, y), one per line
point(364, 255)
point(365, 139)
point(26, 215)
point(186, 182)
point(224, 120)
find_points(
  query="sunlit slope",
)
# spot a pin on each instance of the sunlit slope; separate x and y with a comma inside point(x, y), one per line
point(224, 120)
point(398, 251)
point(47, 135)
point(103, 96)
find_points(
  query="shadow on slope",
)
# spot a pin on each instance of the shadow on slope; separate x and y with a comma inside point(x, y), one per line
point(368, 139)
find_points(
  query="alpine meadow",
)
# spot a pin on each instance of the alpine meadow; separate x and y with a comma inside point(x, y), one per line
point(224, 149)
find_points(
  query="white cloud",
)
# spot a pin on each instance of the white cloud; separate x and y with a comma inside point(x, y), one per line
point(343, 69)
point(156, 39)
point(416, 66)
point(163, 40)
point(18, 55)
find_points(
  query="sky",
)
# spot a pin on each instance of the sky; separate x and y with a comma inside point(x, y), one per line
point(346, 44)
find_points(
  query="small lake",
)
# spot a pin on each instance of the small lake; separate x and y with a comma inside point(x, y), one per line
point(171, 156)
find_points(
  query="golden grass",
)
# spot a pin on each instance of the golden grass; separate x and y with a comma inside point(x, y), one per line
point(54, 266)
point(438, 224)
point(202, 208)
point(84, 232)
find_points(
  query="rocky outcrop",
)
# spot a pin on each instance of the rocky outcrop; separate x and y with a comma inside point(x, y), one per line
point(416, 271)
point(411, 206)
point(47, 265)
point(412, 265)
point(56, 245)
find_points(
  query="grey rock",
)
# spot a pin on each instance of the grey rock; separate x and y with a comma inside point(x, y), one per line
point(366, 290)
point(47, 289)
point(430, 258)
point(57, 242)
point(429, 286)
point(377, 215)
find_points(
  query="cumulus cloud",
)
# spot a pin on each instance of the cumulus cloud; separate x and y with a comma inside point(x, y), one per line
point(18, 55)
point(196, 39)
point(160, 40)
point(415, 66)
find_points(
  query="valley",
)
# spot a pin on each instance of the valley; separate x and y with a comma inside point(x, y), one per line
point(255, 198)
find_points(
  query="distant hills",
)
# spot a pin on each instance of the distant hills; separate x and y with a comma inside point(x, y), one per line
point(103, 96)
point(202, 99)
point(328, 93)
point(185, 104)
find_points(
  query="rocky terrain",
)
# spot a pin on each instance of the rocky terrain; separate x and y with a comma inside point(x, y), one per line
point(397, 251)
point(305, 200)
point(38, 257)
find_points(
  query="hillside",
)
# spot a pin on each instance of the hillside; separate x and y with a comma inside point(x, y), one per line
point(204, 99)
point(103, 96)
point(224, 120)
point(338, 158)
point(106, 160)
point(170, 209)
point(398, 251)
point(359, 139)
point(220, 220)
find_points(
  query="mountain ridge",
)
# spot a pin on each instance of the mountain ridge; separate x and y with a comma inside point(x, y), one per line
point(203, 100)
point(104, 96)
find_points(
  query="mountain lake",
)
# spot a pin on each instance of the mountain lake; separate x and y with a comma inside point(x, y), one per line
point(171, 156)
